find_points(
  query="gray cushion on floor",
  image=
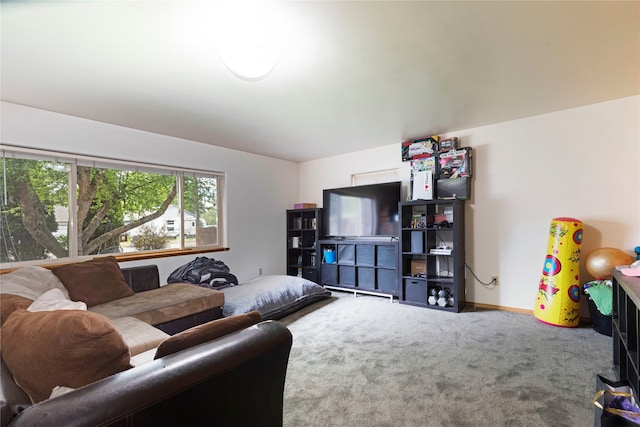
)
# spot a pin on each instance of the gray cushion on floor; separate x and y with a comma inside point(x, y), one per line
point(273, 296)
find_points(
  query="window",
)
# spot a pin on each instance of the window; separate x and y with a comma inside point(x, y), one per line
point(58, 207)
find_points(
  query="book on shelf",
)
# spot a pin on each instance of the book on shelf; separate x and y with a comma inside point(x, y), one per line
point(441, 251)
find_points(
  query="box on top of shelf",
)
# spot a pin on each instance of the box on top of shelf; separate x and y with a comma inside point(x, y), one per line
point(421, 147)
point(448, 144)
point(455, 163)
point(301, 205)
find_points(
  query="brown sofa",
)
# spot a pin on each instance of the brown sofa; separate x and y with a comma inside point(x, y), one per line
point(144, 312)
point(121, 328)
point(236, 380)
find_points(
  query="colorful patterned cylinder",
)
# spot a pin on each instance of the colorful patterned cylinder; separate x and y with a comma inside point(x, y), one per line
point(558, 301)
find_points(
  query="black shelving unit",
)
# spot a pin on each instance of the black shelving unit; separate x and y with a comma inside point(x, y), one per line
point(626, 329)
point(362, 266)
point(303, 232)
point(432, 254)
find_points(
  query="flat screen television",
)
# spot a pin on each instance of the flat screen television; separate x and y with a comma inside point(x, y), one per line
point(362, 211)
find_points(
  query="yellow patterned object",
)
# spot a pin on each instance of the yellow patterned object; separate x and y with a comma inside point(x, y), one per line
point(558, 298)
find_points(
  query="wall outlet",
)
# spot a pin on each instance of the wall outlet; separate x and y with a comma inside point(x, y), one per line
point(494, 279)
point(260, 271)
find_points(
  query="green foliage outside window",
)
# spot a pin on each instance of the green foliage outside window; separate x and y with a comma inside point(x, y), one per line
point(110, 204)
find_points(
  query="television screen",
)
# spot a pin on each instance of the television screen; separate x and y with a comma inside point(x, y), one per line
point(362, 211)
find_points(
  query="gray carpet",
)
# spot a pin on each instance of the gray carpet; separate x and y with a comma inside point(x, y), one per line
point(366, 362)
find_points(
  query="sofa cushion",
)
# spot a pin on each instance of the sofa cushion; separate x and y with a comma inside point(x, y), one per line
point(95, 281)
point(144, 357)
point(10, 303)
point(163, 304)
point(138, 335)
point(68, 348)
point(274, 296)
point(31, 282)
point(207, 332)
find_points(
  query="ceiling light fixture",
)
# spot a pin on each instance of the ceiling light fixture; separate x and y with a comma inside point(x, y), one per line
point(250, 59)
point(246, 48)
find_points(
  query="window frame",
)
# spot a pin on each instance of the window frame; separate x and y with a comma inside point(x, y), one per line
point(74, 160)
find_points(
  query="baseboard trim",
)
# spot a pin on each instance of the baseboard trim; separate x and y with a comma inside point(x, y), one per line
point(470, 304)
point(497, 307)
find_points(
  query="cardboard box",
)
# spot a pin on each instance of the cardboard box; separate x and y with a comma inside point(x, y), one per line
point(417, 148)
point(455, 163)
point(448, 144)
point(303, 205)
point(418, 266)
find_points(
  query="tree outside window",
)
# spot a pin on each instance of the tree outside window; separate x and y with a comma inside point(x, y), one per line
point(112, 208)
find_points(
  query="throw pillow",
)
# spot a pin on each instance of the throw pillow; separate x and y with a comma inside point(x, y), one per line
point(69, 348)
point(10, 303)
point(95, 282)
point(55, 300)
point(206, 332)
point(31, 282)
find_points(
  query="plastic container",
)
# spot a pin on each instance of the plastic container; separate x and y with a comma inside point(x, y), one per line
point(329, 256)
point(601, 323)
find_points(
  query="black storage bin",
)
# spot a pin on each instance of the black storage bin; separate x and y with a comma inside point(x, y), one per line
point(415, 290)
point(387, 256)
point(329, 274)
point(387, 280)
point(599, 321)
point(346, 275)
point(347, 254)
point(365, 255)
point(366, 278)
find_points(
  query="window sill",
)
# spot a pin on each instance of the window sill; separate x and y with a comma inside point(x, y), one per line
point(136, 256)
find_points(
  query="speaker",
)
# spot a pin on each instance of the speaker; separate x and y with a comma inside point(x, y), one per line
point(454, 188)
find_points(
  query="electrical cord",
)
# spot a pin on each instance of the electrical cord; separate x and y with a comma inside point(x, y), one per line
point(491, 285)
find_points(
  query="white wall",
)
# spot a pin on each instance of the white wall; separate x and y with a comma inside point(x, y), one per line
point(259, 189)
point(582, 163)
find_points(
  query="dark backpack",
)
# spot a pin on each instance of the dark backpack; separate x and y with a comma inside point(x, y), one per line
point(206, 272)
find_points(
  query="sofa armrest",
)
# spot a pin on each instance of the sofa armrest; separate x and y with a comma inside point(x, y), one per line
point(235, 380)
point(142, 278)
point(13, 399)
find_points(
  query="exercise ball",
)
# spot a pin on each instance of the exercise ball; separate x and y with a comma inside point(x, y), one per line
point(600, 262)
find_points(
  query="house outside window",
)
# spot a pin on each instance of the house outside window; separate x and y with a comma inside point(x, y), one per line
point(54, 206)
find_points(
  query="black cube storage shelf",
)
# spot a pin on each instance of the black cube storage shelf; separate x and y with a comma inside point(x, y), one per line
point(361, 266)
point(424, 266)
point(626, 329)
point(303, 232)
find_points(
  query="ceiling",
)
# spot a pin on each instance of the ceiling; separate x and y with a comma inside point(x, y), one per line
point(350, 75)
